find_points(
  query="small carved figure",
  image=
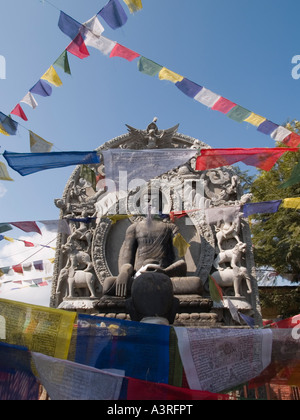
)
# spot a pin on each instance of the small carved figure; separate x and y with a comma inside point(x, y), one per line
point(233, 277)
point(77, 280)
point(232, 256)
point(229, 230)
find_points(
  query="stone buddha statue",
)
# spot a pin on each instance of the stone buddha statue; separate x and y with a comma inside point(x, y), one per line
point(148, 246)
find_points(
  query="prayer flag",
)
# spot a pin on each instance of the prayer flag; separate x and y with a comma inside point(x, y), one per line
point(207, 97)
point(280, 133)
point(29, 163)
point(28, 244)
point(63, 62)
point(134, 5)
point(4, 175)
point(1, 237)
point(262, 207)
point(238, 113)
point(2, 131)
point(166, 74)
point(27, 226)
point(255, 119)
point(223, 105)
point(101, 43)
point(180, 244)
point(291, 203)
point(148, 67)
point(123, 52)
point(233, 311)
point(294, 179)
point(39, 265)
point(248, 320)
point(52, 77)
point(215, 290)
point(89, 175)
point(263, 158)
point(4, 227)
point(93, 25)
point(29, 99)
point(41, 88)
point(293, 140)
point(78, 48)
point(188, 87)
point(227, 214)
point(60, 226)
point(9, 239)
point(18, 269)
point(68, 25)
point(113, 14)
point(38, 144)
point(267, 127)
point(19, 112)
point(8, 124)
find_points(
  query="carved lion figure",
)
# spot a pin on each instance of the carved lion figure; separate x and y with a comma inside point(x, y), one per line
point(232, 256)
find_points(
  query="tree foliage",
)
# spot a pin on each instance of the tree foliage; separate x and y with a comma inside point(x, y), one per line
point(276, 237)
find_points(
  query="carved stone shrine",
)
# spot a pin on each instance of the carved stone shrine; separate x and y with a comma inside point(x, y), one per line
point(180, 232)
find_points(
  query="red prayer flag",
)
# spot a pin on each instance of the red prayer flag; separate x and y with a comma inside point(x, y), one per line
point(223, 105)
point(28, 244)
point(123, 52)
point(77, 47)
point(19, 112)
point(263, 158)
point(293, 140)
point(18, 268)
point(27, 226)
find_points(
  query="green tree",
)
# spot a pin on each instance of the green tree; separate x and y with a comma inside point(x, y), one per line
point(276, 237)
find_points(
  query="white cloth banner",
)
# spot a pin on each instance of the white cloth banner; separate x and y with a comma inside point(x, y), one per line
point(207, 97)
point(61, 226)
point(228, 214)
point(216, 360)
point(130, 168)
point(101, 43)
point(65, 380)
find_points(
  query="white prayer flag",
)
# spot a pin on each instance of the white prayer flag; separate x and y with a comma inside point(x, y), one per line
point(101, 43)
point(207, 97)
point(29, 99)
point(94, 26)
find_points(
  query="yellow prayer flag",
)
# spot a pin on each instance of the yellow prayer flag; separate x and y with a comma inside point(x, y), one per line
point(291, 203)
point(52, 77)
point(4, 176)
point(38, 144)
point(134, 5)
point(181, 244)
point(40, 329)
point(166, 74)
point(116, 217)
point(255, 119)
point(8, 239)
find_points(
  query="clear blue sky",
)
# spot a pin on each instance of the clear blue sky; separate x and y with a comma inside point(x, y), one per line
point(240, 49)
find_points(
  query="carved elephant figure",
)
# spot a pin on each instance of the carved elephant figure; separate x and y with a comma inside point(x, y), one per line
point(233, 277)
point(80, 280)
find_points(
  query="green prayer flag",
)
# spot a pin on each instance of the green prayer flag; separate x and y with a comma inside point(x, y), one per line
point(215, 290)
point(89, 175)
point(149, 67)
point(294, 179)
point(238, 113)
point(63, 62)
point(5, 227)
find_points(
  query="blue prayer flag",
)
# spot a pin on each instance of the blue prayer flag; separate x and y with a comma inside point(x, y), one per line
point(42, 88)
point(267, 127)
point(113, 14)
point(188, 87)
point(29, 163)
point(9, 125)
point(262, 207)
point(68, 25)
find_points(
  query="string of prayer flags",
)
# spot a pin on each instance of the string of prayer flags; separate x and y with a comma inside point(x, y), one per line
point(294, 179)
point(30, 100)
point(262, 207)
point(29, 163)
point(38, 144)
point(52, 77)
point(63, 62)
point(291, 203)
point(4, 175)
point(41, 88)
point(123, 52)
point(134, 5)
point(263, 158)
point(113, 14)
point(78, 48)
point(19, 112)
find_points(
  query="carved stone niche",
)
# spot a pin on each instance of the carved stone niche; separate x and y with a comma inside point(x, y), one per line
point(90, 254)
